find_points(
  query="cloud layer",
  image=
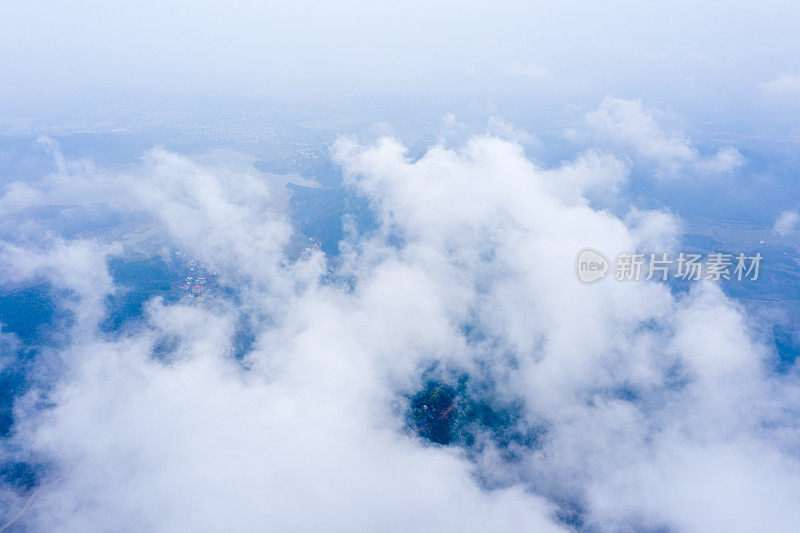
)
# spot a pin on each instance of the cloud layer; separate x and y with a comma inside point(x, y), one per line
point(647, 410)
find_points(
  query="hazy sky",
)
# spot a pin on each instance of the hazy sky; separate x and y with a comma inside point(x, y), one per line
point(693, 56)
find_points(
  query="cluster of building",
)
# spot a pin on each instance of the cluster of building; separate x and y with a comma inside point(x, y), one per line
point(314, 244)
point(198, 281)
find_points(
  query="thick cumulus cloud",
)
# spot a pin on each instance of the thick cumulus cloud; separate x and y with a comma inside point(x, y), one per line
point(648, 411)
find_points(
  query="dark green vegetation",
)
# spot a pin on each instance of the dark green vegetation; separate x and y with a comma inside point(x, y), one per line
point(473, 415)
point(320, 214)
point(467, 413)
point(433, 412)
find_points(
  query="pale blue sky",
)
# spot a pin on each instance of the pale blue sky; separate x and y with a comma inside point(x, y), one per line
point(695, 57)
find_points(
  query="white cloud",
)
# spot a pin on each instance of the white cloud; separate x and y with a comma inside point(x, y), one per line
point(787, 222)
point(636, 391)
point(657, 231)
point(530, 71)
point(631, 124)
point(724, 161)
point(498, 127)
point(783, 87)
point(591, 172)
